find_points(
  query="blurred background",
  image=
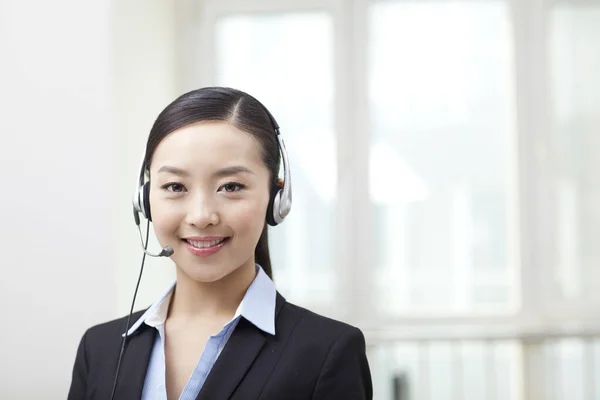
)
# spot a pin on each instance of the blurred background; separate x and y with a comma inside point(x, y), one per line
point(446, 166)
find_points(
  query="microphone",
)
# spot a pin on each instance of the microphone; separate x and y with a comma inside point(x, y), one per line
point(167, 251)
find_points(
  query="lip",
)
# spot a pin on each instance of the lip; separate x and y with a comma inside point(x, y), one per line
point(204, 238)
point(208, 251)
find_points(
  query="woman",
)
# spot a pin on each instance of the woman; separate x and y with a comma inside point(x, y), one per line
point(209, 183)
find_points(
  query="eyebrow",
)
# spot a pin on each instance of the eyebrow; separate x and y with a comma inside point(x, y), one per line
point(172, 170)
point(236, 169)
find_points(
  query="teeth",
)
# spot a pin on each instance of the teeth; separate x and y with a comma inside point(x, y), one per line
point(204, 244)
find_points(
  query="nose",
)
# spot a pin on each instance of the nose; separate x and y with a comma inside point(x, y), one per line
point(201, 211)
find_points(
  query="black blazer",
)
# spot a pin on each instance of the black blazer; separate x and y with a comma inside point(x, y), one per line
point(309, 358)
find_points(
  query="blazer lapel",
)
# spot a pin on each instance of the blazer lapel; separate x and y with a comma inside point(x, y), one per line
point(135, 363)
point(236, 358)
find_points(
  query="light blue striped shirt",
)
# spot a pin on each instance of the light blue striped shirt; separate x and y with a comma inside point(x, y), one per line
point(257, 306)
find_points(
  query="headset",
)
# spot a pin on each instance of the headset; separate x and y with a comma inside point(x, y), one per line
point(280, 204)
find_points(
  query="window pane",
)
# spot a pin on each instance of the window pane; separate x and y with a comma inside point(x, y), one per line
point(285, 60)
point(441, 178)
point(575, 62)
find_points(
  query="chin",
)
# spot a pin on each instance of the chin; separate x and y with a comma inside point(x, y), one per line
point(209, 271)
point(205, 274)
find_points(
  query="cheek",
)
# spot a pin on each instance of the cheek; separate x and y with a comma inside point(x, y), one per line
point(248, 217)
point(165, 219)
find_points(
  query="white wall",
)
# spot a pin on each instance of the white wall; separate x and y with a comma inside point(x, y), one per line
point(80, 85)
point(144, 66)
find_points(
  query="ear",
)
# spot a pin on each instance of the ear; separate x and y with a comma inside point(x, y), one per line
point(146, 200)
point(275, 188)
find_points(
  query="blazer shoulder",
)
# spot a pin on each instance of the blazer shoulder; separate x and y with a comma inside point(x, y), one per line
point(111, 329)
point(97, 357)
point(328, 328)
point(334, 352)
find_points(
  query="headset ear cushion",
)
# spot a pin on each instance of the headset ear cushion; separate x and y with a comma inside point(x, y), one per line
point(275, 189)
point(146, 200)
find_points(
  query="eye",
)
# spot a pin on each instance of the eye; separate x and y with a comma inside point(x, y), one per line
point(230, 187)
point(174, 187)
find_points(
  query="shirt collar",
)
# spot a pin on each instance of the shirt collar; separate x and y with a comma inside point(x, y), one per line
point(257, 306)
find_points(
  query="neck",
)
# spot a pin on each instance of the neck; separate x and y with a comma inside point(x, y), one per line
point(219, 299)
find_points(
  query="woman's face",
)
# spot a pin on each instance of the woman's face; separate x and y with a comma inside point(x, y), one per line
point(208, 197)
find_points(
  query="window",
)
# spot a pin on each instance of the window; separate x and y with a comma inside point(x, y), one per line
point(575, 148)
point(442, 142)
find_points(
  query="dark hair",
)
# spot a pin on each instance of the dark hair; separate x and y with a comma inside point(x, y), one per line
point(223, 104)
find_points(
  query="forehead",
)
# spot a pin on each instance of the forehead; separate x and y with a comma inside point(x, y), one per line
point(207, 144)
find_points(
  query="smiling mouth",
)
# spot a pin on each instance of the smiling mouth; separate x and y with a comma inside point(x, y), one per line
point(206, 244)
